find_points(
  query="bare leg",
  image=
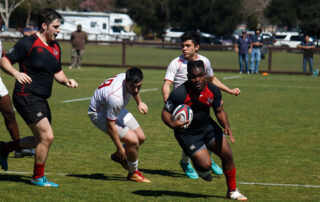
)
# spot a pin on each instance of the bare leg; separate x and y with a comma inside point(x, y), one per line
point(9, 117)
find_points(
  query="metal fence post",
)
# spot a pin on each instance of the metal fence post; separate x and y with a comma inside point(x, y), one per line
point(123, 54)
point(270, 59)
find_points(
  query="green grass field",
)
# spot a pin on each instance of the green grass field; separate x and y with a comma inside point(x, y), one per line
point(275, 122)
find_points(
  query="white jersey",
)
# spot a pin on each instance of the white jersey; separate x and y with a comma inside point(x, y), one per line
point(177, 70)
point(3, 89)
point(110, 97)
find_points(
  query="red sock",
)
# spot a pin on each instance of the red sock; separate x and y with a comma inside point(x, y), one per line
point(231, 179)
point(12, 146)
point(38, 170)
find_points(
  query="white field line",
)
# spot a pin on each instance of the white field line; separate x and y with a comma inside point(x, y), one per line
point(231, 77)
point(89, 98)
point(281, 185)
point(28, 173)
point(248, 183)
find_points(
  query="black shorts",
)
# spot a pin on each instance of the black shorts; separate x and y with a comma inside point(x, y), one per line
point(31, 108)
point(194, 140)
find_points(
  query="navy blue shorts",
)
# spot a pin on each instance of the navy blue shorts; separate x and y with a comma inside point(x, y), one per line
point(194, 140)
point(31, 108)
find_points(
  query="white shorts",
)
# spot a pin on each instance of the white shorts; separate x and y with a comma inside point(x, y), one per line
point(124, 122)
point(3, 89)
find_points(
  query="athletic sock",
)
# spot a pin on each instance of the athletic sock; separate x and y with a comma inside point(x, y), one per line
point(38, 170)
point(12, 146)
point(132, 166)
point(185, 159)
point(231, 179)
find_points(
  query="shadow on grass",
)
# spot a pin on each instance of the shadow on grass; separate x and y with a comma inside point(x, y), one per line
point(168, 173)
point(172, 193)
point(15, 178)
point(98, 176)
point(163, 172)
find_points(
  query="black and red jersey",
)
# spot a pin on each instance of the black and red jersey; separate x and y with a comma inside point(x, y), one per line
point(37, 60)
point(200, 103)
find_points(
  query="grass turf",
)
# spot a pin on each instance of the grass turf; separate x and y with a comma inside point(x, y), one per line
point(275, 122)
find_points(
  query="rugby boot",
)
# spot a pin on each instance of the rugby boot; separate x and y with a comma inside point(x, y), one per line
point(236, 195)
point(189, 170)
point(23, 153)
point(43, 182)
point(137, 177)
point(215, 168)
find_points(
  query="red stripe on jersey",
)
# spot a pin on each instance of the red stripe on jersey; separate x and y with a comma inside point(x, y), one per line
point(51, 47)
point(206, 97)
point(168, 80)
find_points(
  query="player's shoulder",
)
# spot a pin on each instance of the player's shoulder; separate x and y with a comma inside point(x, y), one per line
point(27, 41)
point(178, 61)
point(213, 88)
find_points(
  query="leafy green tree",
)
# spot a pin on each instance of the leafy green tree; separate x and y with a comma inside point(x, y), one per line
point(151, 16)
point(282, 12)
point(213, 16)
point(309, 17)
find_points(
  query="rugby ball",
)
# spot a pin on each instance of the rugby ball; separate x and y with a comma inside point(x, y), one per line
point(185, 113)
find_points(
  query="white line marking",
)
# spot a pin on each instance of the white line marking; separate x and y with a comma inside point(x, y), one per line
point(282, 185)
point(89, 98)
point(248, 183)
point(29, 173)
point(231, 77)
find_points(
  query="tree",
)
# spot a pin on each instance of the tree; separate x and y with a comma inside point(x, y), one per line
point(8, 9)
point(213, 16)
point(151, 16)
point(282, 12)
point(309, 17)
point(97, 5)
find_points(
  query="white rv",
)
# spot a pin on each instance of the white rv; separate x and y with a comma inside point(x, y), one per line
point(99, 25)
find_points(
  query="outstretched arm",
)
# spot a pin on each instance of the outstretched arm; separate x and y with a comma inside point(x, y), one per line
point(61, 78)
point(224, 122)
point(215, 81)
point(166, 90)
point(142, 107)
point(113, 133)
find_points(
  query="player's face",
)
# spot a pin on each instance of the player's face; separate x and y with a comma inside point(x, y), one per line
point(189, 50)
point(197, 78)
point(52, 30)
point(133, 88)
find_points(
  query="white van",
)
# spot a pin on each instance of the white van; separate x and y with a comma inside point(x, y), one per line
point(99, 25)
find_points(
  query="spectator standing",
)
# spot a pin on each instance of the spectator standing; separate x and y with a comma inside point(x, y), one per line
point(31, 29)
point(257, 43)
point(79, 39)
point(307, 46)
point(243, 47)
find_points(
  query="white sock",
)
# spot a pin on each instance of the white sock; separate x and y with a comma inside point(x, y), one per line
point(185, 159)
point(133, 166)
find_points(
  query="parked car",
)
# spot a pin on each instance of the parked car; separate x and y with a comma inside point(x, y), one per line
point(173, 36)
point(288, 39)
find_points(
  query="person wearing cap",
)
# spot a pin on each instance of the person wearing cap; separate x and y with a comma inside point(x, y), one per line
point(31, 29)
point(257, 43)
point(243, 47)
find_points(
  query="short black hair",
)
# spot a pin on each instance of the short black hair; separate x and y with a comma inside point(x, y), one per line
point(194, 64)
point(191, 35)
point(47, 15)
point(134, 75)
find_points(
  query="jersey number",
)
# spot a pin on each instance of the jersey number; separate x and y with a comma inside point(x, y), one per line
point(107, 83)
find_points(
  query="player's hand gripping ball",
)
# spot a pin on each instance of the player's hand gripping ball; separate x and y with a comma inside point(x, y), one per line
point(185, 113)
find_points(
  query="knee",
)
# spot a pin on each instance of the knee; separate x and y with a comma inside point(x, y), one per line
point(203, 166)
point(133, 142)
point(9, 115)
point(142, 139)
point(48, 139)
